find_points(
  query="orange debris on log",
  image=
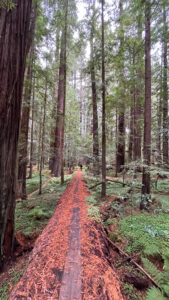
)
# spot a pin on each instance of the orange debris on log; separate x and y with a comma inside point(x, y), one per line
point(52, 257)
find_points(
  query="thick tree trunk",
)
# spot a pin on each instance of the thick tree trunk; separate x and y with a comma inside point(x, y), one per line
point(94, 104)
point(59, 133)
point(147, 111)
point(103, 110)
point(14, 46)
point(165, 91)
point(23, 135)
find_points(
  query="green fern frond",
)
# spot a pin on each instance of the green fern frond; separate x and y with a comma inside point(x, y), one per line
point(166, 259)
point(154, 294)
point(153, 271)
point(151, 250)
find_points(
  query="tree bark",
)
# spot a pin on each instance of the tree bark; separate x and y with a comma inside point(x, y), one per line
point(42, 140)
point(103, 192)
point(137, 131)
point(53, 116)
point(14, 46)
point(59, 133)
point(24, 128)
point(23, 135)
point(165, 91)
point(159, 118)
point(32, 130)
point(147, 111)
point(131, 137)
point(94, 102)
point(120, 155)
point(139, 88)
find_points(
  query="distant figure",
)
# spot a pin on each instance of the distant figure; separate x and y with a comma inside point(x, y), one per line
point(81, 167)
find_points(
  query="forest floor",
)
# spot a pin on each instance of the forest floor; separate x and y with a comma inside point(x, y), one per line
point(88, 247)
point(70, 259)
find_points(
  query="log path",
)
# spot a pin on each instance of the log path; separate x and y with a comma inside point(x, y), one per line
point(70, 258)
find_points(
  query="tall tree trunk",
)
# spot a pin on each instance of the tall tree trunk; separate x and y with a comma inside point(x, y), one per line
point(53, 116)
point(159, 127)
point(59, 133)
point(32, 130)
point(165, 91)
point(116, 141)
point(137, 131)
point(138, 107)
point(131, 136)
point(94, 102)
point(120, 158)
point(14, 46)
point(147, 111)
point(120, 155)
point(103, 192)
point(42, 139)
point(23, 135)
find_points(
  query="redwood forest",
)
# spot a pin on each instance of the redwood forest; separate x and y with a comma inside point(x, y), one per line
point(84, 149)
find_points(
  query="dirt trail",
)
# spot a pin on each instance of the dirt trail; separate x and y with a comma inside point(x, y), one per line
point(70, 258)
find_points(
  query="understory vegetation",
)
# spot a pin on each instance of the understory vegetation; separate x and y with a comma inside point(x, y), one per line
point(31, 216)
point(142, 235)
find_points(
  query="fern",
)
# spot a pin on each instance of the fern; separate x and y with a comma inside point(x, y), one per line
point(161, 278)
point(151, 250)
point(153, 271)
point(94, 213)
point(154, 294)
point(166, 259)
point(91, 200)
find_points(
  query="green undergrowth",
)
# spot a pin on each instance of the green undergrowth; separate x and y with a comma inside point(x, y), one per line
point(3, 291)
point(93, 209)
point(145, 233)
point(162, 186)
point(14, 275)
point(33, 184)
point(148, 235)
point(33, 214)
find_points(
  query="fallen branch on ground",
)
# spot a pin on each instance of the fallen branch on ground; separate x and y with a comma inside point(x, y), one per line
point(113, 181)
point(132, 261)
